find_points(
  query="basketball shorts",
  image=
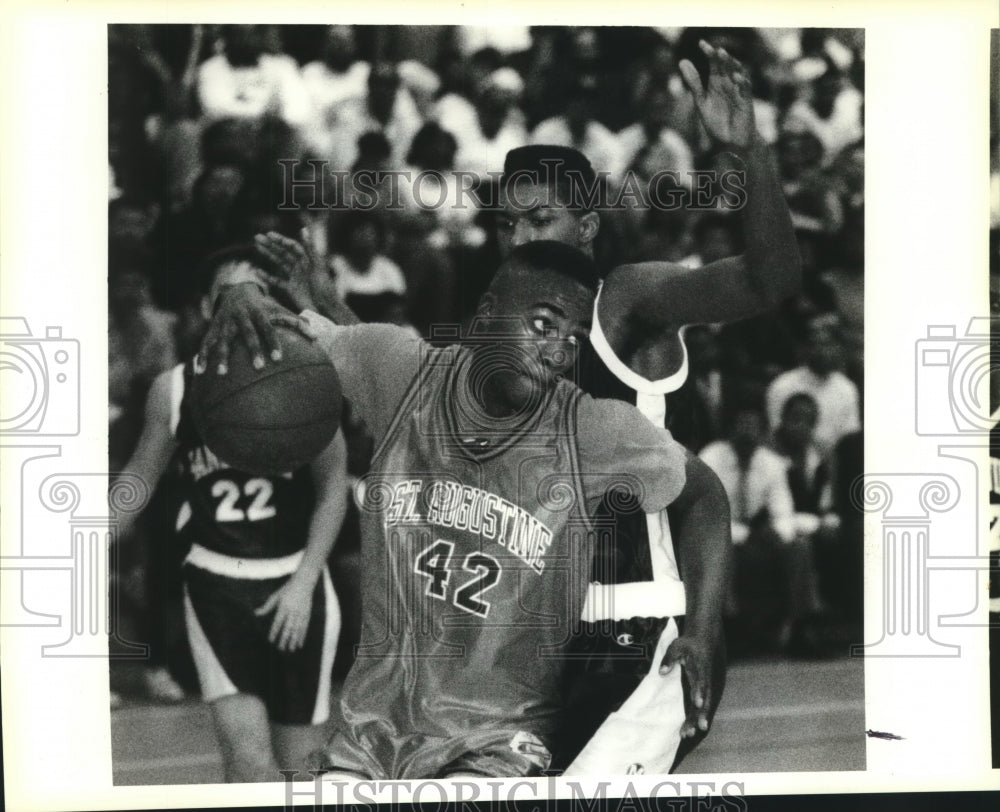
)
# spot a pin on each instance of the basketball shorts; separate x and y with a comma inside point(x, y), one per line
point(373, 753)
point(230, 645)
point(622, 716)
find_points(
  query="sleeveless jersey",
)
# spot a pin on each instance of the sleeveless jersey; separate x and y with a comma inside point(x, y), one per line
point(476, 562)
point(230, 511)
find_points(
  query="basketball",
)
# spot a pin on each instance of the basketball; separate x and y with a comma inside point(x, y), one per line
point(272, 420)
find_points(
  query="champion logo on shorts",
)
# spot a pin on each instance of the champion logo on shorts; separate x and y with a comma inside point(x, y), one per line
point(531, 747)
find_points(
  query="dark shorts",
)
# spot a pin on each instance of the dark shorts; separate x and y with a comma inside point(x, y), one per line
point(233, 655)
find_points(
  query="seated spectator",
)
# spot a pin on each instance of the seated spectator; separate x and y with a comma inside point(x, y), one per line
point(653, 130)
point(336, 77)
point(703, 389)
point(831, 109)
point(819, 376)
point(244, 81)
point(816, 524)
point(433, 192)
point(386, 107)
point(812, 196)
point(488, 128)
point(577, 128)
point(763, 517)
point(361, 271)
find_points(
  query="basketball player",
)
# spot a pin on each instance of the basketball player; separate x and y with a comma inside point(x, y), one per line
point(261, 614)
point(638, 356)
point(476, 542)
point(640, 359)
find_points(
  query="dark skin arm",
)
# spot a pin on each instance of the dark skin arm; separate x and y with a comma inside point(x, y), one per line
point(244, 309)
point(663, 296)
point(700, 521)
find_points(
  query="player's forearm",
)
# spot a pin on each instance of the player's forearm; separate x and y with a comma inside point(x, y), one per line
point(702, 524)
point(327, 519)
point(773, 265)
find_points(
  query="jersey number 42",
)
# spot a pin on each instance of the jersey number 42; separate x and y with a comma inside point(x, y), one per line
point(435, 562)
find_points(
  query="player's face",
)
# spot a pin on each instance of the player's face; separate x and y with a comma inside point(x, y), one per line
point(547, 317)
point(532, 212)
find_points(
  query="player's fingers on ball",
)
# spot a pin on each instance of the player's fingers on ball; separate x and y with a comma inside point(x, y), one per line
point(264, 327)
point(248, 332)
point(220, 352)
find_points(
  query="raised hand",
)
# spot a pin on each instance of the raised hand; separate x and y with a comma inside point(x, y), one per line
point(301, 274)
point(725, 106)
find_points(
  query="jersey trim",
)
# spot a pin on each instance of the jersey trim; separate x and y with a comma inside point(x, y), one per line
point(331, 631)
point(664, 598)
point(215, 682)
point(176, 396)
point(624, 373)
point(254, 569)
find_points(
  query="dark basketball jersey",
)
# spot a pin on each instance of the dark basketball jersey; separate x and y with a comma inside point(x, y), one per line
point(474, 585)
point(230, 511)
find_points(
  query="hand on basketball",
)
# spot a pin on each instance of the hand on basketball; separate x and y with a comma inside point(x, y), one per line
point(245, 312)
point(694, 655)
point(726, 104)
point(292, 607)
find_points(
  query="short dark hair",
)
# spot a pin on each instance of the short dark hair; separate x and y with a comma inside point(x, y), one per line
point(550, 255)
point(799, 397)
point(565, 168)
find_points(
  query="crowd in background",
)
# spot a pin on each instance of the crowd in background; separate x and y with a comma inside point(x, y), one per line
point(200, 116)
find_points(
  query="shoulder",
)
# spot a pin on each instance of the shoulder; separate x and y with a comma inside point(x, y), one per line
point(715, 452)
point(214, 65)
point(769, 460)
point(792, 377)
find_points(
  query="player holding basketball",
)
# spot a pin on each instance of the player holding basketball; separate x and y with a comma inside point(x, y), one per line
point(261, 614)
point(476, 540)
point(638, 317)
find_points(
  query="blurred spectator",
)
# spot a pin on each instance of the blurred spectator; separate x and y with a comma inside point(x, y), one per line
point(754, 478)
point(707, 388)
point(845, 279)
point(245, 81)
point(336, 77)
point(361, 270)
point(576, 128)
point(652, 133)
point(140, 333)
point(812, 197)
point(489, 127)
point(819, 376)
point(184, 239)
point(816, 525)
point(808, 470)
point(763, 517)
point(830, 110)
point(386, 107)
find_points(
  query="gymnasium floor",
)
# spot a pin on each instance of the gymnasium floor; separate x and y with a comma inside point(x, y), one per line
point(776, 716)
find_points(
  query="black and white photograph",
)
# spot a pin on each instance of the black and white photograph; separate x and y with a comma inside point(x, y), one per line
point(446, 535)
point(498, 404)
